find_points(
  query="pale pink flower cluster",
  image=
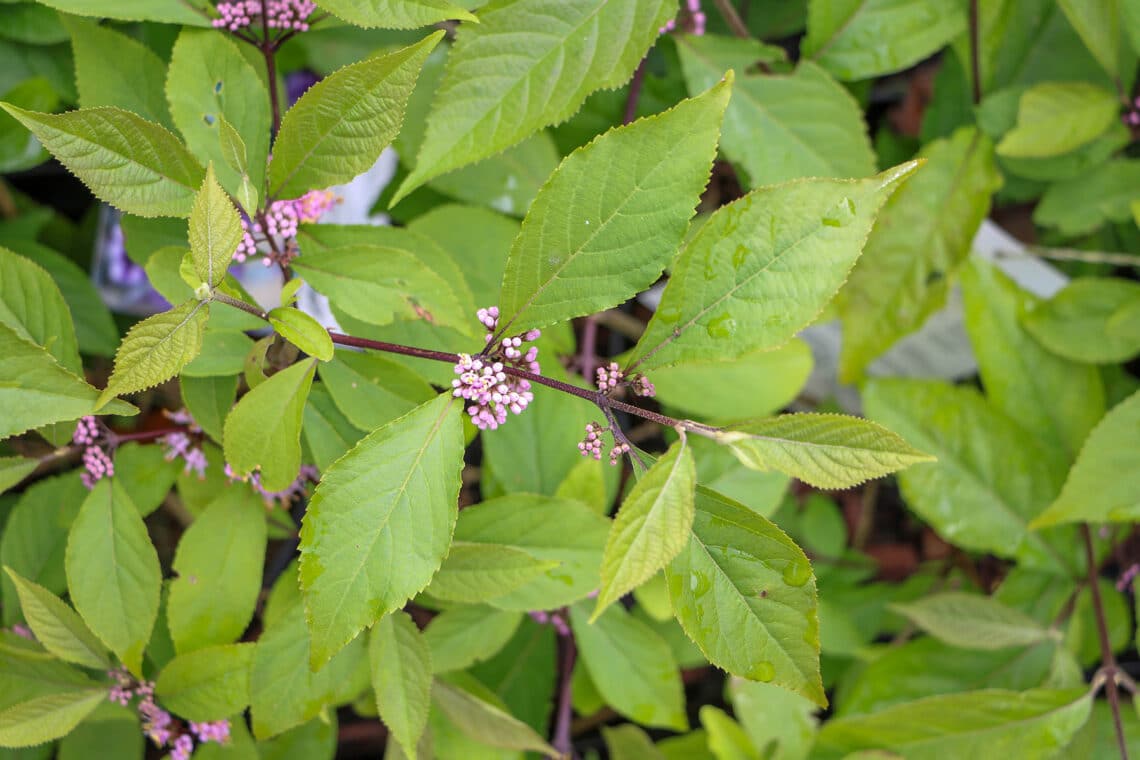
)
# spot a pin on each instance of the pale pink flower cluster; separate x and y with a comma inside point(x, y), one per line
point(555, 619)
point(1127, 577)
point(694, 20)
point(285, 496)
point(282, 220)
point(86, 431)
point(291, 15)
point(217, 732)
point(591, 445)
point(157, 724)
point(611, 376)
point(483, 381)
point(97, 466)
point(180, 445)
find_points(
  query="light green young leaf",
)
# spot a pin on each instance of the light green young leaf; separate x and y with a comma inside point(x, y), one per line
point(923, 234)
point(341, 124)
point(991, 477)
point(628, 742)
point(972, 621)
point(371, 390)
point(302, 331)
point(558, 530)
point(632, 666)
point(133, 164)
point(486, 102)
point(234, 152)
point(1098, 22)
point(466, 634)
point(860, 39)
point(1104, 484)
point(42, 719)
point(263, 432)
point(378, 285)
point(1080, 205)
point(1092, 319)
point(1056, 400)
point(401, 678)
point(215, 231)
point(486, 723)
point(113, 575)
point(474, 573)
point(209, 82)
point(224, 353)
point(762, 268)
point(58, 627)
point(32, 306)
point(825, 450)
point(157, 348)
point(811, 125)
point(15, 469)
point(990, 723)
point(1058, 117)
point(745, 594)
point(652, 526)
point(218, 566)
point(379, 523)
point(582, 251)
point(207, 684)
point(326, 432)
point(113, 69)
point(35, 390)
point(189, 12)
point(774, 718)
point(726, 739)
point(396, 14)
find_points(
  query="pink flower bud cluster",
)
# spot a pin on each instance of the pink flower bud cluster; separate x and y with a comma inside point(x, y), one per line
point(291, 15)
point(157, 724)
point(555, 619)
point(1127, 577)
point(610, 377)
point(282, 220)
point(693, 21)
point(217, 732)
point(591, 445)
point(97, 466)
point(1131, 117)
point(180, 445)
point(285, 496)
point(482, 380)
point(86, 431)
point(182, 748)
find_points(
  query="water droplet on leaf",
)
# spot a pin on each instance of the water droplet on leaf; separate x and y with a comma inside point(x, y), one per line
point(722, 326)
point(840, 214)
point(797, 573)
point(763, 671)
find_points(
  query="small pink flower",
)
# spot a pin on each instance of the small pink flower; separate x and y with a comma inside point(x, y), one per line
point(86, 431)
point(98, 466)
point(183, 747)
point(218, 731)
point(483, 380)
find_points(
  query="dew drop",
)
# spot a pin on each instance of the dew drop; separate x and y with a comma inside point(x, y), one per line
point(763, 671)
point(841, 214)
point(722, 326)
point(208, 118)
point(797, 573)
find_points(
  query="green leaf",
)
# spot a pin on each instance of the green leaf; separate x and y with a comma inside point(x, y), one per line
point(825, 450)
point(235, 155)
point(215, 231)
point(1092, 319)
point(486, 103)
point(35, 390)
point(631, 665)
point(207, 684)
point(223, 353)
point(812, 126)
point(464, 635)
point(401, 678)
point(508, 182)
point(579, 252)
point(341, 124)
point(328, 435)
point(990, 723)
point(745, 594)
point(15, 469)
point(396, 14)
point(371, 390)
point(113, 574)
point(157, 348)
point(652, 526)
point(131, 163)
point(113, 69)
point(263, 432)
point(1056, 400)
point(379, 285)
point(1080, 205)
point(218, 565)
point(991, 477)
point(302, 331)
point(32, 306)
point(923, 234)
point(484, 722)
point(211, 82)
point(558, 530)
point(972, 621)
point(726, 739)
point(208, 399)
point(58, 627)
point(1104, 484)
point(145, 474)
point(1098, 22)
point(18, 149)
point(859, 39)
point(773, 718)
point(165, 268)
point(628, 742)
point(190, 12)
point(379, 523)
point(1057, 117)
point(474, 573)
point(48, 717)
point(762, 268)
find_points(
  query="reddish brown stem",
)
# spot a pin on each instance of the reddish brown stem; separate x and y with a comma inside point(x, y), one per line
point(1108, 659)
